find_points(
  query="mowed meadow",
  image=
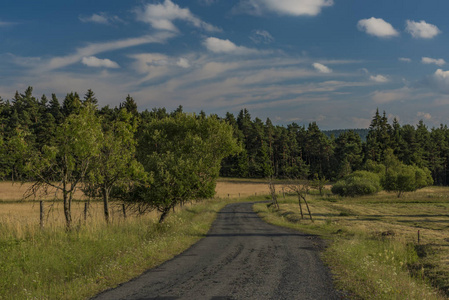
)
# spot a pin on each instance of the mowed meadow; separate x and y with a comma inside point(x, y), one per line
point(381, 246)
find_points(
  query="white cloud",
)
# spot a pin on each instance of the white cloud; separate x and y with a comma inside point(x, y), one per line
point(421, 29)
point(92, 61)
point(377, 27)
point(439, 81)
point(379, 78)
point(405, 59)
point(424, 115)
point(321, 68)
point(261, 37)
point(161, 16)
point(438, 62)
point(391, 95)
point(285, 7)
point(183, 63)
point(101, 18)
point(95, 48)
point(217, 45)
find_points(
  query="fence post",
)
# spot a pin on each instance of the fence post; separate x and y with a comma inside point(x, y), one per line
point(124, 210)
point(42, 214)
point(86, 208)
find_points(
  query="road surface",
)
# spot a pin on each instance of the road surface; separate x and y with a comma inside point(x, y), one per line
point(242, 257)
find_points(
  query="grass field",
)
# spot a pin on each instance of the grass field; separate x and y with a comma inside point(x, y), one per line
point(18, 213)
point(374, 250)
point(51, 263)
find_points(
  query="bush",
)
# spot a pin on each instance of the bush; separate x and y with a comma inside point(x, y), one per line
point(358, 183)
point(403, 178)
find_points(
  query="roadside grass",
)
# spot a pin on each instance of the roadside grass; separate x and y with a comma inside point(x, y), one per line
point(373, 241)
point(52, 263)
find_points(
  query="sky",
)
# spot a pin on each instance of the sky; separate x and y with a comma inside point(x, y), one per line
point(333, 62)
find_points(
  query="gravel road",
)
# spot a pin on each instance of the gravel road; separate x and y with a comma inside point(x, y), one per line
point(242, 257)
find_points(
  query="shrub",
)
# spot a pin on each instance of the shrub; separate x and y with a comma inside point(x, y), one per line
point(403, 178)
point(358, 183)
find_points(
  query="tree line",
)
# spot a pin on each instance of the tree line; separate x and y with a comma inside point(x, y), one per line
point(150, 160)
point(156, 159)
point(296, 151)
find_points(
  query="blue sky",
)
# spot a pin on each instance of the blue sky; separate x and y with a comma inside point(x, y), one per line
point(329, 61)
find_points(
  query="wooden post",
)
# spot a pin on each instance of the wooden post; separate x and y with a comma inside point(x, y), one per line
point(86, 209)
point(124, 210)
point(283, 192)
point(228, 196)
point(418, 237)
point(41, 218)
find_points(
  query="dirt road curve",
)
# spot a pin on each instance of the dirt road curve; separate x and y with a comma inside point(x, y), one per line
point(242, 257)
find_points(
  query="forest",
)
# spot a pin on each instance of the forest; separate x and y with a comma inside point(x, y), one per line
point(119, 152)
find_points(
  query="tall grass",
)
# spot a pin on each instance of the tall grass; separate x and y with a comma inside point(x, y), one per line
point(55, 264)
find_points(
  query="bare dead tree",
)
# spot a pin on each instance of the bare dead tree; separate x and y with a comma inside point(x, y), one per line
point(301, 189)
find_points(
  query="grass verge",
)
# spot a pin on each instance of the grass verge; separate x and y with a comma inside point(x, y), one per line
point(55, 264)
point(371, 252)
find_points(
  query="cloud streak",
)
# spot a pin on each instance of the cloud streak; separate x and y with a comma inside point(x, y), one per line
point(285, 7)
point(96, 48)
point(92, 61)
point(220, 46)
point(100, 18)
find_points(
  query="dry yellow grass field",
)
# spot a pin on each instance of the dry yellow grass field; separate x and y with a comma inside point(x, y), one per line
point(26, 212)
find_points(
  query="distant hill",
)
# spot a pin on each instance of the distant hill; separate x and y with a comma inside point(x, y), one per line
point(362, 132)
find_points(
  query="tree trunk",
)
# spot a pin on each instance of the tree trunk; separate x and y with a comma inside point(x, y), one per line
point(164, 214)
point(67, 213)
point(300, 206)
point(105, 193)
point(308, 209)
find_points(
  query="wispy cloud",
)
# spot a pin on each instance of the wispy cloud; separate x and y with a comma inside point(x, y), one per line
point(161, 16)
point(424, 115)
point(438, 62)
point(321, 68)
point(261, 37)
point(379, 78)
point(7, 24)
point(284, 7)
point(100, 18)
point(92, 61)
point(377, 27)
point(421, 29)
point(95, 48)
point(405, 59)
point(217, 45)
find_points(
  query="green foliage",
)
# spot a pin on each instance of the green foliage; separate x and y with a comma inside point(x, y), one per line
point(358, 183)
point(183, 153)
point(116, 165)
point(402, 178)
point(67, 163)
